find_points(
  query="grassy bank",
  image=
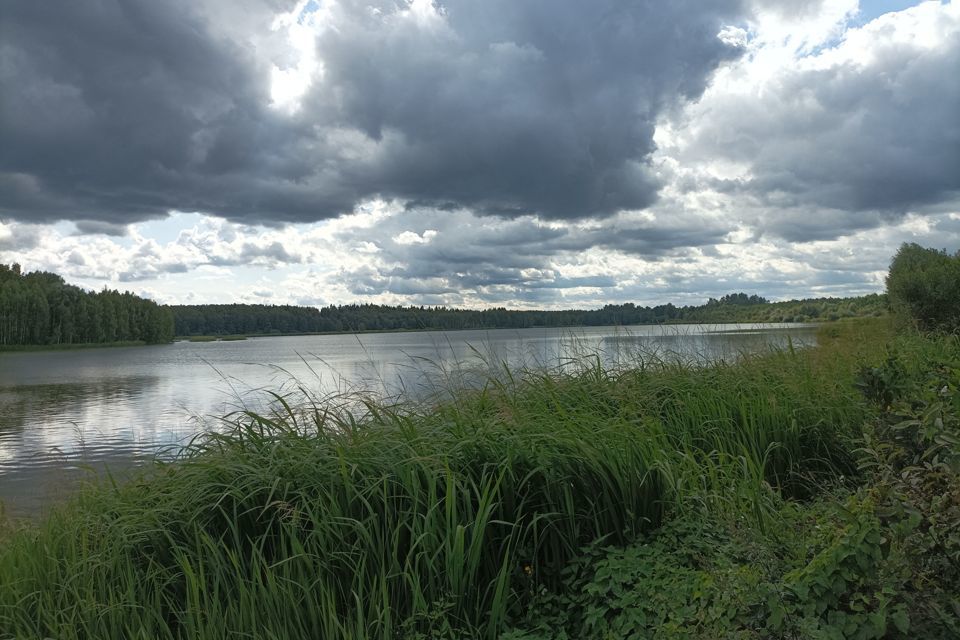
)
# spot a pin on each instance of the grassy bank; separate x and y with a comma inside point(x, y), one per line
point(756, 499)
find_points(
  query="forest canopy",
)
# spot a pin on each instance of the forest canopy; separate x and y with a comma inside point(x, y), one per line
point(39, 308)
point(244, 319)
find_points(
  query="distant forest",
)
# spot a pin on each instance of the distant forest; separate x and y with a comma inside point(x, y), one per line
point(39, 308)
point(241, 319)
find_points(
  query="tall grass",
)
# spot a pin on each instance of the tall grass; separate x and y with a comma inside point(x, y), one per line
point(394, 520)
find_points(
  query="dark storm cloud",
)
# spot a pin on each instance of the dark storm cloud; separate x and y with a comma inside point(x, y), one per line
point(109, 109)
point(120, 111)
point(511, 108)
point(94, 227)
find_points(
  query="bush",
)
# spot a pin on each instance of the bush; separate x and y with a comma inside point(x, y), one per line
point(923, 286)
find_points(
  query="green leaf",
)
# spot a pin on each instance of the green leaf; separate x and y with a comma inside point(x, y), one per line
point(775, 621)
point(901, 620)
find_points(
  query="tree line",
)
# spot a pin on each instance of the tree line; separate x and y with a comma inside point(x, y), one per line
point(246, 319)
point(806, 310)
point(193, 320)
point(39, 308)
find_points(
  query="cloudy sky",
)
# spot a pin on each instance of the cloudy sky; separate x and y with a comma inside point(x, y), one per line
point(535, 153)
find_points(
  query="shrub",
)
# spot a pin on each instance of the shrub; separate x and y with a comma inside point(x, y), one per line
point(923, 286)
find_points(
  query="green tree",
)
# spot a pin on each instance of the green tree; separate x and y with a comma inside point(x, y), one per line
point(923, 286)
point(39, 308)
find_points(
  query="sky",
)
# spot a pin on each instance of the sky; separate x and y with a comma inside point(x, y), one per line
point(534, 154)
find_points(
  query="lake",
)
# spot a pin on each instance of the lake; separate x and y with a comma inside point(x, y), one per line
point(67, 414)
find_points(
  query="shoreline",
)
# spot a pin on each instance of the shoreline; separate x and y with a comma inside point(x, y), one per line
point(241, 337)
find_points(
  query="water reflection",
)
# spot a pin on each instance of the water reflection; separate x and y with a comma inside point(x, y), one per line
point(51, 435)
point(41, 402)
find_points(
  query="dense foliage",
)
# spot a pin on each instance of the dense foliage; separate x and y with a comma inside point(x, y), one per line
point(876, 555)
point(39, 308)
point(924, 286)
point(244, 319)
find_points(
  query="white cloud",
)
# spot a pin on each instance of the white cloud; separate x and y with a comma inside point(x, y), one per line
point(823, 129)
point(409, 237)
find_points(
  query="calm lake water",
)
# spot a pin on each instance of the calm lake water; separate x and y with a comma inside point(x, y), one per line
point(67, 414)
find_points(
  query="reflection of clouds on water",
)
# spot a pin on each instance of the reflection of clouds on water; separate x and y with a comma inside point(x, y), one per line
point(53, 435)
point(24, 404)
point(70, 423)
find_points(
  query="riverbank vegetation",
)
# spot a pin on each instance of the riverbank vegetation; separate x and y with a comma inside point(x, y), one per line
point(40, 309)
point(805, 493)
point(798, 493)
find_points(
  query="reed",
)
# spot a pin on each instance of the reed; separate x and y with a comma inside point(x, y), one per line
point(375, 520)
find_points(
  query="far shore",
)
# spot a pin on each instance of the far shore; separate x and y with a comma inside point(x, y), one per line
point(240, 337)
